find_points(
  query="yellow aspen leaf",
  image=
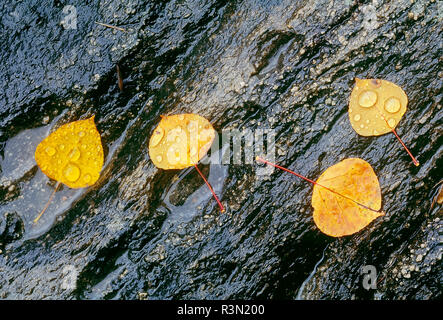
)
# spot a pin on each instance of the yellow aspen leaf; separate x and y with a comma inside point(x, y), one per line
point(376, 107)
point(346, 198)
point(73, 154)
point(180, 141)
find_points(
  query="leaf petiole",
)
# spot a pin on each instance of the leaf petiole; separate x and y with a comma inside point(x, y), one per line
point(222, 209)
point(416, 163)
point(47, 204)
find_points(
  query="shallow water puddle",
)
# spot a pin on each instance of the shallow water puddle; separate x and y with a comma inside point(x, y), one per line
point(18, 156)
point(29, 190)
point(34, 193)
point(195, 203)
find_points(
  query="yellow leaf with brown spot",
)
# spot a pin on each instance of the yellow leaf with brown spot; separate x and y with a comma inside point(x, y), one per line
point(376, 106)
point(352, 201)
point(73, 154)
point(180, 141)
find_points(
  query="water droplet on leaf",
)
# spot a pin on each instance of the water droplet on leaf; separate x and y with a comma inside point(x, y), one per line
point(75, 154)
point(392, 105)
point(71, 172)
point(391, 123)
point(50, 151)
point(367, 99)
point(87, 178)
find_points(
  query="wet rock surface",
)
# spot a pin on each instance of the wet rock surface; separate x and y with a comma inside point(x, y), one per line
point(287, 66)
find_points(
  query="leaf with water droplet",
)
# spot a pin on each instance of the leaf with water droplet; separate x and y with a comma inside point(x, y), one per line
point(379, 101)
point(72, 155)
point(376, 107)
point(180, 141)
point(63, 155)
point(346, 198)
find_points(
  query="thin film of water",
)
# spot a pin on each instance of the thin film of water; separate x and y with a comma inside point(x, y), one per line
point(186, 212)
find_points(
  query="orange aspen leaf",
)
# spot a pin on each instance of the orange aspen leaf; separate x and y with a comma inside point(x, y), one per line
point(346, 197)
point(355, 202)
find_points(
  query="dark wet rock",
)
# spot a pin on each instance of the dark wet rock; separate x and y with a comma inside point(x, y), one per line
point(289, 66)
point(11, 229)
